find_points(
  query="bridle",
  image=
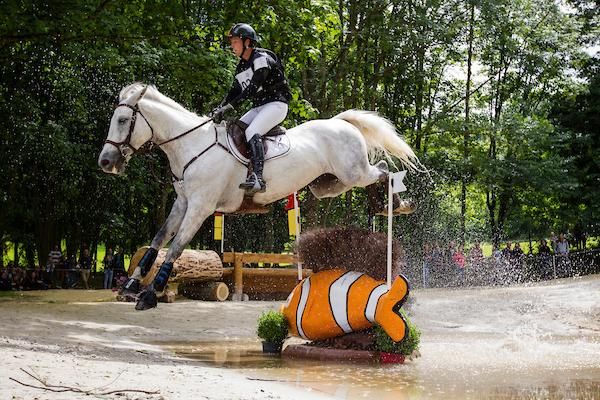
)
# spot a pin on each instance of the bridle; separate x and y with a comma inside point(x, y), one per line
point(126, 144)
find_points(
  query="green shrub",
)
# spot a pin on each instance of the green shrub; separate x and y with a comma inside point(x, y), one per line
point(406, 346)
point(272, 327)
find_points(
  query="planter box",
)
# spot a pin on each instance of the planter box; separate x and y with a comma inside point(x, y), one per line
point(301, 351)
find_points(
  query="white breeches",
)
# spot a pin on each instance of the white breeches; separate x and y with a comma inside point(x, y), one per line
point(262, 119)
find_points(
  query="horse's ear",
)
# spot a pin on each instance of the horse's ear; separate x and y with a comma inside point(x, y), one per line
point(142, 93)
point(135, 98)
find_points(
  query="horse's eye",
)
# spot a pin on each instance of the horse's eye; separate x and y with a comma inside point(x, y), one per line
point(122, 121)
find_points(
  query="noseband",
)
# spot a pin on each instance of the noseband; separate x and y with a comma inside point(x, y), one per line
point(127, 142)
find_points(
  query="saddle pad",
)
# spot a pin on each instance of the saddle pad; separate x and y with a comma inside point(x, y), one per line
point(275, 146)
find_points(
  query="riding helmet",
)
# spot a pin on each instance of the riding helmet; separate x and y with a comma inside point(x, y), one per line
point(243, 31)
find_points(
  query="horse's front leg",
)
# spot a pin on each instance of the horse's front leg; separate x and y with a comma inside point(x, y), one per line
point(192, 221)
point(165, 233)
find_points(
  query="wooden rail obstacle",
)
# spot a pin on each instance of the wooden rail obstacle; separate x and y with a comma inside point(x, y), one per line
point(261, 283)
point(200, 275)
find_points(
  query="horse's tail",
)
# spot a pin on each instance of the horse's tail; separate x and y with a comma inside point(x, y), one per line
point(381, 137)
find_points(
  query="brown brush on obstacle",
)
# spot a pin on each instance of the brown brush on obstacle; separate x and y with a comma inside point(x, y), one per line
point(352, 249)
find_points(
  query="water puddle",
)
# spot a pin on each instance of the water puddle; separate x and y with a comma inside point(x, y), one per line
point(419, 379)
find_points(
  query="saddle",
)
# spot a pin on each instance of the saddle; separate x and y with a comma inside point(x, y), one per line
point(275, 142)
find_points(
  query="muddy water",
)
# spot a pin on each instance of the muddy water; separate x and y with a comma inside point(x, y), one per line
point(526, 342)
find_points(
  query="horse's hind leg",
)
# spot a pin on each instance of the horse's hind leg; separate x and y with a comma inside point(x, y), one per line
point(361, 172)
point(165, 233)
point(192, 221)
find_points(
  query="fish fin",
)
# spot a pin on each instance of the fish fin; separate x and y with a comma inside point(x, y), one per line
point(388, 315)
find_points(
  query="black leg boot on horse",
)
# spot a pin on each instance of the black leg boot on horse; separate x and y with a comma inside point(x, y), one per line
point(132, 286)
point(148, 298)
point(255, 183)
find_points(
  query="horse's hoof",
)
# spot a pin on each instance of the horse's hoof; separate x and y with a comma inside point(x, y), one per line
point(382, 165)
point(405, 207)
point(147, 300)
point(400, 207)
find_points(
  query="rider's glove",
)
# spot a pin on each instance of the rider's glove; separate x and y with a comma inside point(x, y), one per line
point(217, 113)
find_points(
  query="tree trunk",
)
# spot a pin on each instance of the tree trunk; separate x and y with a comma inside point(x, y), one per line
point(192, 265)
point(209, 291)
point(463, 180)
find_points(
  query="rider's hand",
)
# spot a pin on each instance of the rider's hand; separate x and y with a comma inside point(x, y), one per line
point(218, 112)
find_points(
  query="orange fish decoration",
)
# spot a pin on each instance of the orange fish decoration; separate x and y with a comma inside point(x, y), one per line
point(334, 302)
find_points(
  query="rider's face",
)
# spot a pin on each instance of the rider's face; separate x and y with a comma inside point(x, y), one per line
point(237, 46)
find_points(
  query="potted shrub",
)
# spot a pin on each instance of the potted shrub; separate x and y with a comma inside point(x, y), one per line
point(273, 330)
point(392, 352)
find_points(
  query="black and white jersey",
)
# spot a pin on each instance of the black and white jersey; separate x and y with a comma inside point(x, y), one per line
point(260, 79)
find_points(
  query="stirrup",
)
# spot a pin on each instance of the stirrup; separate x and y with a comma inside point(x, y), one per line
point(253, 184)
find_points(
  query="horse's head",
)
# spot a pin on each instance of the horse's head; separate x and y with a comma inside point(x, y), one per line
point(127, 132)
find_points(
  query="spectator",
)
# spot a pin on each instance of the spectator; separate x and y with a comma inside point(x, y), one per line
point(562, 246)
point(18, 278)
point(54, 258)
point(119, 260)
point(5, 281)
point(517, 257)
point(458, 258)
point(119, 264)
point(476, 255)
point(496, 252)
point(71, 272)
point(543, 248)
point(507, 252)
point(544, 260)
point(85, 264)
point(517, 252)
point(108, 268)
point(553, 240)
point(34, 282)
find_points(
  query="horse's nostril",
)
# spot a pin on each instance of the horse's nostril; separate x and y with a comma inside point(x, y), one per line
point(104, 162)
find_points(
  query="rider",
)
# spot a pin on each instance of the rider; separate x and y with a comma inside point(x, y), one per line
point(259, 77)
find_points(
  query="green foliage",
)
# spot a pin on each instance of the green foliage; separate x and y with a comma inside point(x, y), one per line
point(272, 327)
point(528, 154)
point(406, 346)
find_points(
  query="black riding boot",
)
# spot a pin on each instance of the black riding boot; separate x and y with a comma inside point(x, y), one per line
point(255, 182)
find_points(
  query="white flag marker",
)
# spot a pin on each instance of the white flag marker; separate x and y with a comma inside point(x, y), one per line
point(397, 181)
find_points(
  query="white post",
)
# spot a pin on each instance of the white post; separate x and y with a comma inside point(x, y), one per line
point(297, 214)
point(389, 245)
point(222, 233)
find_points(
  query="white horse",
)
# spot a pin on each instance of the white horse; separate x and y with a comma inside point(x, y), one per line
point(209, 175)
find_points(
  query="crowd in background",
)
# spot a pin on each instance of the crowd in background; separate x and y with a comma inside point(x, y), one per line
point(450, 265)
point(65, 272)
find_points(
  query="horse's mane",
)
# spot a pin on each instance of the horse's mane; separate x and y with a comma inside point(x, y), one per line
point(153, 92)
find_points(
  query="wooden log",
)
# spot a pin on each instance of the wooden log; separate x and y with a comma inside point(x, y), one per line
point(210, 291)
point(192, 265)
